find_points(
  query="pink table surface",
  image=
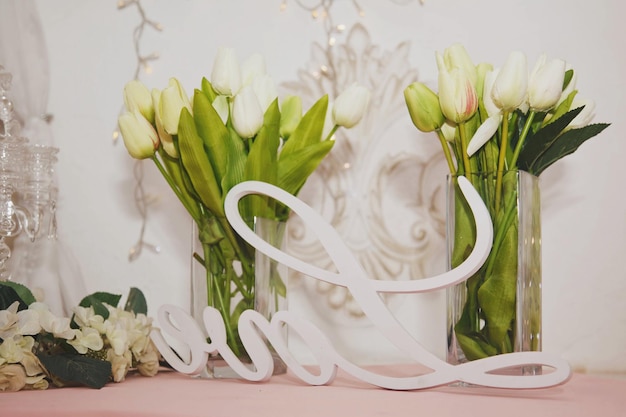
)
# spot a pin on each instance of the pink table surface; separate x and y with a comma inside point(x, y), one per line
point(173, 394)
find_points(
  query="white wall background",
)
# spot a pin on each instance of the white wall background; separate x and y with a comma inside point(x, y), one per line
point(584, 216)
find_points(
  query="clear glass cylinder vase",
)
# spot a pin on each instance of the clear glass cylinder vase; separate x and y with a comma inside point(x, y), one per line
point(233, 282)
point(498, 309)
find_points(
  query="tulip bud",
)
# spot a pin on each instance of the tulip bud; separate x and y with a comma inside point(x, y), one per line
point(173, 99)
point(585, 116)
point(140, 138)
point(290, 116)
point(484, 132)
point(226, 75)
point(265, 90)
point(511, 85)
point(457, 95)
point(350, 106)
point(247, 113)
point(481, 71)
point(252, 67)
point(166, 139)
point(329, 122)
point(137, 97)
point(456, 56)
point(546, 84)
point(490, 106)
point(569, 88)
point(220, 104)
point(423, 105)
point(448, 130)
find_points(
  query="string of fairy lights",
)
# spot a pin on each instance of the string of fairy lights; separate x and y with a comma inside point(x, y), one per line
point(320, 10)
point(142, 199)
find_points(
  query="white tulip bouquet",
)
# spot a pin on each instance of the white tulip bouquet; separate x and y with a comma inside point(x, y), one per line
point(493, 123)
point(233, 129)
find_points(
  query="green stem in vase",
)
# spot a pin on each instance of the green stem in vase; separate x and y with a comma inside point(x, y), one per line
point(504, 143)
point(446, 151)
point(520, 142)
point(187, 201)
point(466, 159)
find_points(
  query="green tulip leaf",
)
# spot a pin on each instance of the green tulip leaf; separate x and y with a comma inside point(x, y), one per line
point(197, 164)
point(213, 132)
point(208, 90)
point(294, 169)
point(309, 130)
point(261, 164)
point(236, 162)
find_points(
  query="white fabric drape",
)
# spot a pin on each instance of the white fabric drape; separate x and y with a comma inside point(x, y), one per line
point(46, 266)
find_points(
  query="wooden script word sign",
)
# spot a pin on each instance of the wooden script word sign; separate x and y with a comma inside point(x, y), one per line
point(254, 328)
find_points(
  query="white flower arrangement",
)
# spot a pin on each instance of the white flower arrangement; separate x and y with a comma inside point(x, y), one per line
point(99, 343)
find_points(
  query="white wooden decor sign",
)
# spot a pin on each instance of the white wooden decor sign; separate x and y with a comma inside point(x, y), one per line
point(253, 328)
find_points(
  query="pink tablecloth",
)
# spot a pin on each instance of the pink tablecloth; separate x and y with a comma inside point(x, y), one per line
point(175, 395)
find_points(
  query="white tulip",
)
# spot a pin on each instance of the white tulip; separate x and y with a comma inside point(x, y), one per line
point(546, 84)
point(247, 113)
point(226, 75)
point(511, 85)
point(350, 106)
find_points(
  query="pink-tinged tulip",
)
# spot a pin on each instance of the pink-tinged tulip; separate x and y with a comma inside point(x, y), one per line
point(166, 139)
point(350, 106)
point(424, 109)
point(140, 138)
point(585, 116)
point(137, 97)
point(456, 56)
point(484, 132)
point(226, 75)
point(290, 115)
point(247, 113)
point(546, 84)
point(511, 85)
point(457, 95)
point(173, 99)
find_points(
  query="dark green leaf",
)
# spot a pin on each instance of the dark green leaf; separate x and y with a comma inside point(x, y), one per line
point(22, 291)
point(539, 142)
point(77, 369)
point(8, 296)
point(564, 145)
point(136, 302)
point(97, 301)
